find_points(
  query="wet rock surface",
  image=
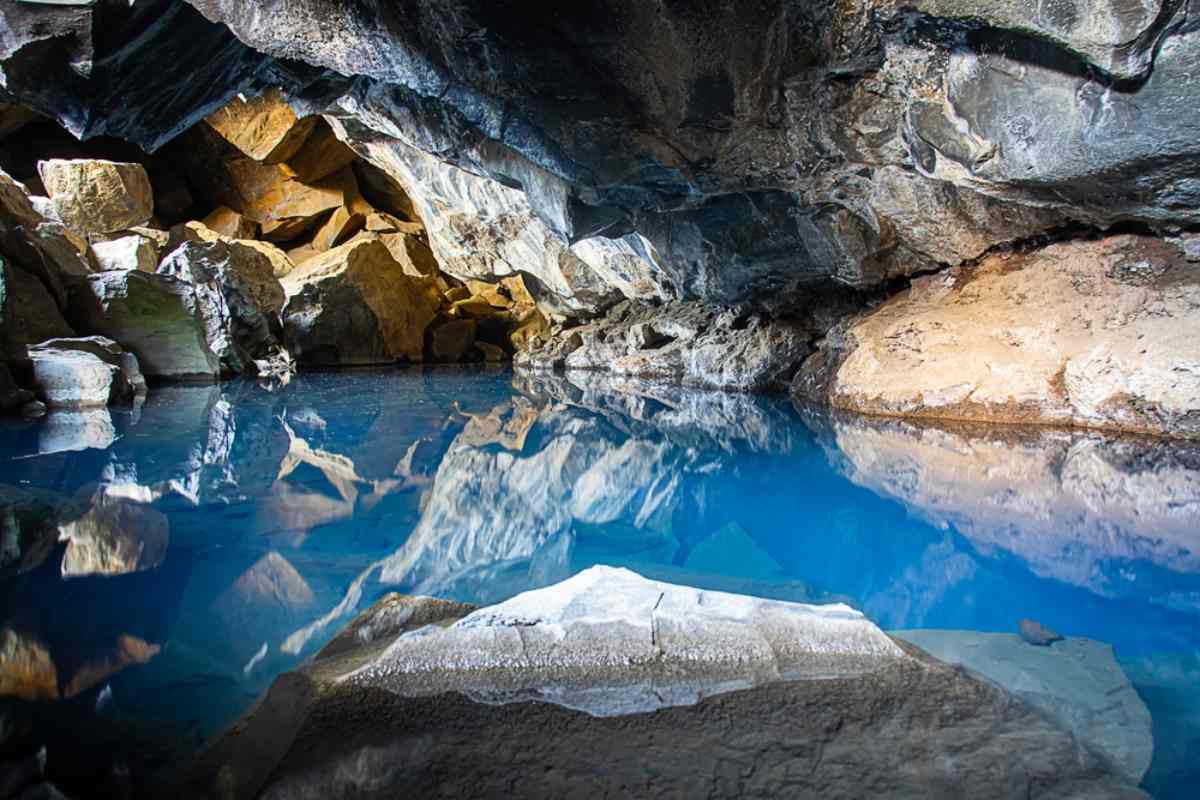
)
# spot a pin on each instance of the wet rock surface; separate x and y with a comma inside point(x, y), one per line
point(307, 733)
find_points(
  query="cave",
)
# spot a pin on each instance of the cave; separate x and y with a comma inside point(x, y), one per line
point(455, 397)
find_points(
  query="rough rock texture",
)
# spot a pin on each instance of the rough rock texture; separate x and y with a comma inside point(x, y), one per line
point(113, 536)
point(82, 373)
point(94, 196)
point(32, 235)
point(265, 128)
point(608, 641)
point(326, 731)
point(157, 317)
point(689, 343)
point(354, 305)
point(1077, 682)
point(238, 296)
point(1095, 334)
point(126, 252)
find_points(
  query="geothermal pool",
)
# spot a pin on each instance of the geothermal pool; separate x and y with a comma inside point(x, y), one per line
point(220, 535)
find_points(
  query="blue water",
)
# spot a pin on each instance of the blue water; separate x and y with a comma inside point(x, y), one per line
point(225, 533)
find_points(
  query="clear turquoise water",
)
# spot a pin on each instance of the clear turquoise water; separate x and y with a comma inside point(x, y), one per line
point(230, 531)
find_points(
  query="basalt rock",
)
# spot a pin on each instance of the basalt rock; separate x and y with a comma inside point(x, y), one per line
point(265, 128)
point(689, 343)
point(126, 252)
point(1095, 334)
point(354, 305)
point(98, 196)
point(82, 373)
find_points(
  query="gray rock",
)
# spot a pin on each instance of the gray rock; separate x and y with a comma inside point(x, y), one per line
point(1076, 681)
point(112, 535)
point(126, 252)
point(327, 731)
point(689, 343)
point(161, 319)
point(78, 373)
point(70, 430)
point(238, 298)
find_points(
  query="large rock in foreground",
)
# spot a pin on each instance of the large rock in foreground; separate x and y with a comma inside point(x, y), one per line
point(369, 720)
point(354, 305)
point(1076, 681)
point(1095, 334)
point(94, 196)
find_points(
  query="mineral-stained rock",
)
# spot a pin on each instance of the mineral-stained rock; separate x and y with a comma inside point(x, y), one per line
point(95, 196)
point(113, 536)
point(450, 342)
point(694, 344)
point(340, 226)
point(126, 252)
point(228, 222)
point(614, 643)
point(355, 305)
point(1089, 333)
point(238, 296)
point(322, 155)
point(157, 317)
point(1077, 682)
point(82, 373)
point(265, 128)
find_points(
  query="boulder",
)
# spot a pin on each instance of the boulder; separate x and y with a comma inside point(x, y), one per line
point(238, 297)
point(321, 155)
point(635, 679)
point(228, 222)
point(88, 372)
point(94, 196)
point(1095, 334)
point(450, 342)
point(411, 252)
point(199, 232)
point(159, 318)
point(1076, 681)
point(32, 234)
point(31, 313)
point(355, 305)
point(264, 128)
point(127, 252)
point(340, 226)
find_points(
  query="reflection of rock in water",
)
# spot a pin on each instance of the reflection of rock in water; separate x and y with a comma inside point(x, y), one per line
point(268, 598)
point(27, 527)
point(330, 730)
point(64, 431)
point(26, 670)
point(128, 651)
point(114, 536)
point(1066, 503)
point(1077, 682)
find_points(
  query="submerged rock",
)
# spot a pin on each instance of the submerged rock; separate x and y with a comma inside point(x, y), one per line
point(1035, 633)
point(93, 196)
point(354, 305)
point(1077, 682)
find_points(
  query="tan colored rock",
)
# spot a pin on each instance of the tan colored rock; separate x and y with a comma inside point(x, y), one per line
point(283, 206)
point(322, 155)
point(381, 222)
point(94, 196)
point(1098, 334)
point(475, 307)
point(533, 327)
point(304, 252)
point(451, 342)
point(27, 671)
point(355, 305)
point(280, 261)
point(337, 229)
point(515, 286)
point(458, 293)
point(412, 253)
point(199, 232)
point(265, 128)
point(227, 222)
point(32, 233)
point(491, 292)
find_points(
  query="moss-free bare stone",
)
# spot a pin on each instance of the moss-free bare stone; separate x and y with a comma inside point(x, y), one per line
point(355, 305)
point(228, 222)
point(322, 155)
point(126, 252)
point(94, 196)
point(265, 128)
point(452, 341)
point(1098, 334)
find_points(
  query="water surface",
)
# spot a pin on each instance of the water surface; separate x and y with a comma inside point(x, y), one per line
point(217, 536)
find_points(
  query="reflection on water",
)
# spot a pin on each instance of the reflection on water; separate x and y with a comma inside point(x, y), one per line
point(161, 566)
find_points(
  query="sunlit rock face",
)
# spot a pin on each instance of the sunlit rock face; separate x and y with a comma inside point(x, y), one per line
point(1073, 507)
